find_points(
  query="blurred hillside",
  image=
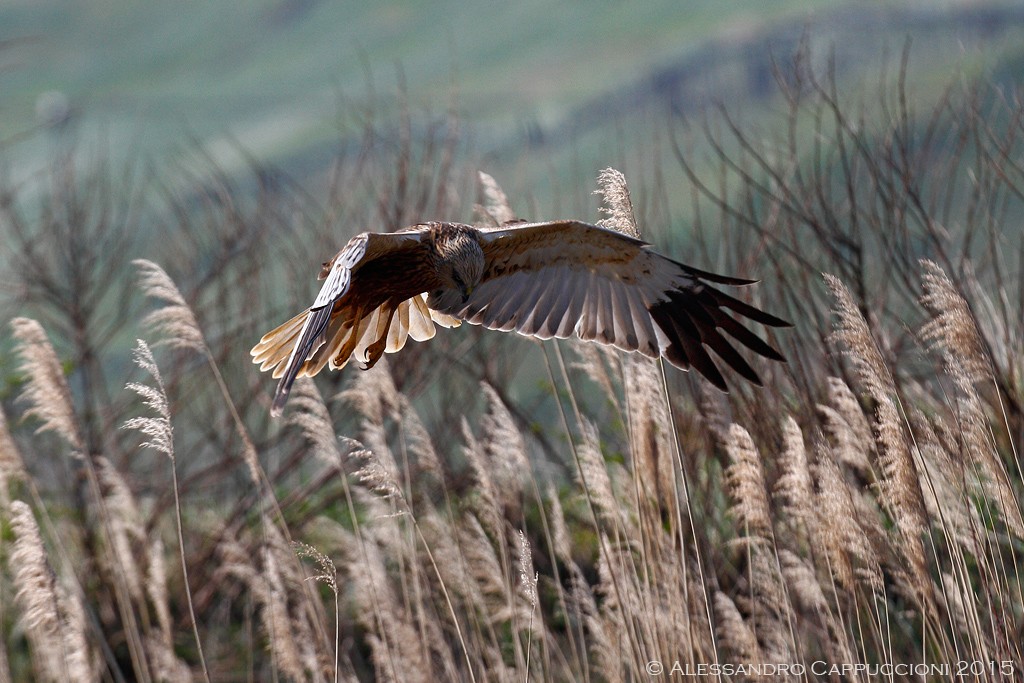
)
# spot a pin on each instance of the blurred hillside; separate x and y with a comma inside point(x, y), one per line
point(280, 80)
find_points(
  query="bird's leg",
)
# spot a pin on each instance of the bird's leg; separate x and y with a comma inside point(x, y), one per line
point(375, 350)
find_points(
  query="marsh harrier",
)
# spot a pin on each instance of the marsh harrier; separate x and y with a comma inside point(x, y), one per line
point(555, 279)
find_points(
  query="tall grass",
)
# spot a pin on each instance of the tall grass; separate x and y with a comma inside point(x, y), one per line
point(434, 521)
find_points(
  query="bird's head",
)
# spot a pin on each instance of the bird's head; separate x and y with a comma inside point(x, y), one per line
point(460, 262)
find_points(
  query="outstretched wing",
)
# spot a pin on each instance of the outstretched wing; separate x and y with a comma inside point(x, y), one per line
point(566, 278)
point(374, 271)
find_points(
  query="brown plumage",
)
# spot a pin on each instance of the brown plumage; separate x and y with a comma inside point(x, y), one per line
point(554, 279)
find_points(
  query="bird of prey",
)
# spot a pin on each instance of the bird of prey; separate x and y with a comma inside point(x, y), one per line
point(553, 279)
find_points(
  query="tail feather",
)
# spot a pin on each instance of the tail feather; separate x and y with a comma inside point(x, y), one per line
point(310, 338)
point(276, 345)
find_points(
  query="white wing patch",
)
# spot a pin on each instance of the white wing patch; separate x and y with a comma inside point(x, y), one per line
point(567, 299)
point(340, 276)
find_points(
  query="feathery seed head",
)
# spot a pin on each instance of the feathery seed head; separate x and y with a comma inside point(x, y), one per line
point(853, 333)
point(11, 466)
point(495, 205)
point(527, 576)
point(54, 620)
point(952, 328)
point(175, 322)
point(746, 484)
point(158, 428)
point(46, 391)
point(328, 572)
point(617, 203)
point(794, 487)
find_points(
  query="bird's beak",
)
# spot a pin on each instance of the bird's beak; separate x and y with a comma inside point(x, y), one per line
point(466, 291)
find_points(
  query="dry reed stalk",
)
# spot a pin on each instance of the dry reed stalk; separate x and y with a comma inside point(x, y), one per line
point(593, 475)
point(373, 394)
point(453, 570)
point(495, 205)
point(156, 589)
point(900, 492)
point(715, 412)
point(310, 416)
point(126, 529)
point(649, 424)
point(290, 623)
point(485, 504)
point(954, 332)
point(393, 639)
point(990, 476)
point(487, 571)
point(838, 528)
point(528, 592)
point(794, 487)
point(946, 494)
point(167, 666)
point(54, 621)
point(509, 466)
point(854, 336)
point(45, 391)
point(177, 327)
point(49, 399)
point(527, 576)
point(504, 449)
point(803, 584)
point(735, 637)
point(609, 654)
point(328, 575)
point(283, 638)
point(1003, 339)
point(381, 479)
point(745, 483)
point(952, 328)
point(377, 475)
point(160, 431)
point(174, 322)
point(594, 361)
point(12, 468)
point(847, 427)
point(591, 506)
point(954, 603)
point(419, 443)
point(617, 203)
point(808, 595)
point(560, 539)
point(771, 612)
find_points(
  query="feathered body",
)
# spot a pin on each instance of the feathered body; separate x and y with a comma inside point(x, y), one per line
point(554, 279)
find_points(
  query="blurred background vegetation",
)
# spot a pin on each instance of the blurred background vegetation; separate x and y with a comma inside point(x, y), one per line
point(326, 109)
point(238, 147)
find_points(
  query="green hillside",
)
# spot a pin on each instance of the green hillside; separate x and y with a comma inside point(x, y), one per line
point(273, 76)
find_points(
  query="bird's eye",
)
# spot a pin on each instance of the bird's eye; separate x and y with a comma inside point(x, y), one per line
point(457, 280)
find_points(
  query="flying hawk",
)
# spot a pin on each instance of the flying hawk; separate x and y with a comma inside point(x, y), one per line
point(555, 279)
